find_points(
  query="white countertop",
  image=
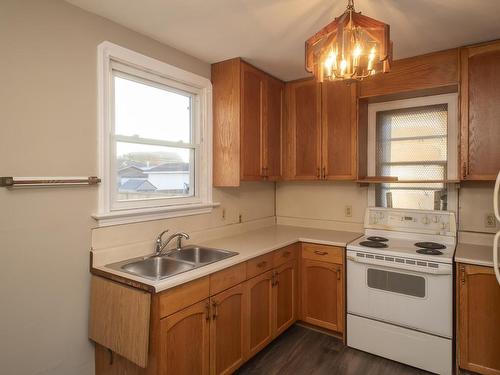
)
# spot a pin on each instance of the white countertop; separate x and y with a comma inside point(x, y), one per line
point(480, 255)
point(248, 245)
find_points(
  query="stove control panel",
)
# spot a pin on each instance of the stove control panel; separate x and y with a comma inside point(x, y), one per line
point(418, 221)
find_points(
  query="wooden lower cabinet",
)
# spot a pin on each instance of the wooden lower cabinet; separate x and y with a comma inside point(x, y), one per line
point(322, 290)
point(228, 330)
point(285, 296)
point(214, 324)
point(478, 336)
point(185, 341)
point(260, 311)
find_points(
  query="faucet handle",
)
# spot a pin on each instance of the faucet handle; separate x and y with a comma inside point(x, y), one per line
point(158, 246)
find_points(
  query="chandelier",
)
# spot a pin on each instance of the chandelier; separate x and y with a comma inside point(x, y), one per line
point(351, 47)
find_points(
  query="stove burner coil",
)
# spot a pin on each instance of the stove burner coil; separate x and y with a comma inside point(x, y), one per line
point(377, 239)
point(374, 244)
point(429, 252)
point(430, 245)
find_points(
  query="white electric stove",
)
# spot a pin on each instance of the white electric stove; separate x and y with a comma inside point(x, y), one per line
point(400, 287)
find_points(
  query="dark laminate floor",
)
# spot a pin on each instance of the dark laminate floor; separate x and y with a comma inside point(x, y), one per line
point(303, 351)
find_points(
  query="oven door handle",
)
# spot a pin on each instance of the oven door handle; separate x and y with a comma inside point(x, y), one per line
point(429, 271)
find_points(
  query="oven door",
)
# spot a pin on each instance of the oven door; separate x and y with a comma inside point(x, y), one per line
point(412, 299)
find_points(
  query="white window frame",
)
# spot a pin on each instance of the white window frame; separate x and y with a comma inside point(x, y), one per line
point(452, 138)
point(132, 64)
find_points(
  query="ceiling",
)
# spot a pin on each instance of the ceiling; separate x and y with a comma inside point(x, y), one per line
point(271, 33)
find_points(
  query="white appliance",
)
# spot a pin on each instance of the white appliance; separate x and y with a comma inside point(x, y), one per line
point(497, 235)
point(400, 287)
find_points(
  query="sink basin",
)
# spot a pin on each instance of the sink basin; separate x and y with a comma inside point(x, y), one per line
point(200, 255)
point(174, 262)
point(156, 268)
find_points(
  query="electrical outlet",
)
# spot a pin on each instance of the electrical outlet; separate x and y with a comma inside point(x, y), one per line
point(490, 221)
point(348, 211)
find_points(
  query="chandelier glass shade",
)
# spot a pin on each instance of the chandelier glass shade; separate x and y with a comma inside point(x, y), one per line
point(351, 47)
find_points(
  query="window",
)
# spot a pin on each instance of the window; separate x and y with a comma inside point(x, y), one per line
point(155, 124)
point(414, 140)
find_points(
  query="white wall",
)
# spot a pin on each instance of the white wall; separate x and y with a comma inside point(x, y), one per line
point(48, 125)
point(322, 204)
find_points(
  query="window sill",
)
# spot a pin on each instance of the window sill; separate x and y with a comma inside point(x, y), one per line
point(147, 214)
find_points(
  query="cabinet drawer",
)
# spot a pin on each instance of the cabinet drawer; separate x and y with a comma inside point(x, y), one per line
point(259, 265)
point(227, 278)
point(175, 299)
point(330, 254)
point(284, 254)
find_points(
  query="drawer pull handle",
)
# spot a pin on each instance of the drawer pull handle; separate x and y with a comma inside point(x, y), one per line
point(320, 252)
point(262, 264)
point(207, 311)
point(214, 312)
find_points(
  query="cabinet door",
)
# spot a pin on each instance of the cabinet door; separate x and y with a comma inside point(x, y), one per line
point(273, 122)
point(339, 131)
point(184, 341)
point(480, 118)
point(259, 292)
point(228, 330)
point(252, 82)
point(285, 290)
point(303, 130)
point(322, 294)
point(479, 319)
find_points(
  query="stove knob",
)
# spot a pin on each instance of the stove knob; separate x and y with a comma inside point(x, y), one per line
point(425, 220)
point(435, 219)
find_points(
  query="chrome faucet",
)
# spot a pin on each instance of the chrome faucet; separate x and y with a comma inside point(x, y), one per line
point(160, 245)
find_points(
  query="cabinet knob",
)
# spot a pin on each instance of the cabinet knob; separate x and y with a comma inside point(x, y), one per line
point(207, 310)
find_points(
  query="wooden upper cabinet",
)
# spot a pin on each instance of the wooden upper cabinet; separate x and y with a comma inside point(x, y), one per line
point(252, 107)
point(424, 72)
point(228, 330)
point(272, 128)
point(480, 117)
point(184, 341)
point(247, 112)
point(339, 131)
point(478, 319)
point(303, 130)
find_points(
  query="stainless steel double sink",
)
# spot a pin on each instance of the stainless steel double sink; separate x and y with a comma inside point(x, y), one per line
point(172, 263)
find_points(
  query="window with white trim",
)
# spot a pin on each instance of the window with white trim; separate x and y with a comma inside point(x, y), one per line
point(155, 143)
point(414, 140)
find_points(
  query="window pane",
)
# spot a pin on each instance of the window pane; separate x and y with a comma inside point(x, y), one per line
point(411, 144)
point(146, 111)
point(146, 171)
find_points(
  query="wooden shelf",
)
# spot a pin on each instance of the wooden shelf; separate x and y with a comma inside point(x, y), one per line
point(395, 180)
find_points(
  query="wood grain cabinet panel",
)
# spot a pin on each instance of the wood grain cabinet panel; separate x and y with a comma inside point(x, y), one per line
point(185, 340)
point(247, 126)
point(339, 131)
point(322, 290)
point(260, 305)
point(480, 117)
point(252, 107)
point(478, 319)
point(303, 130)
point(321, 131)
point(228, 330)
point(272, 128)
point(285, 290)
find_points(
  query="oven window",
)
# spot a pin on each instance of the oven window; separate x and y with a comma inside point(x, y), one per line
point(401, 283)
